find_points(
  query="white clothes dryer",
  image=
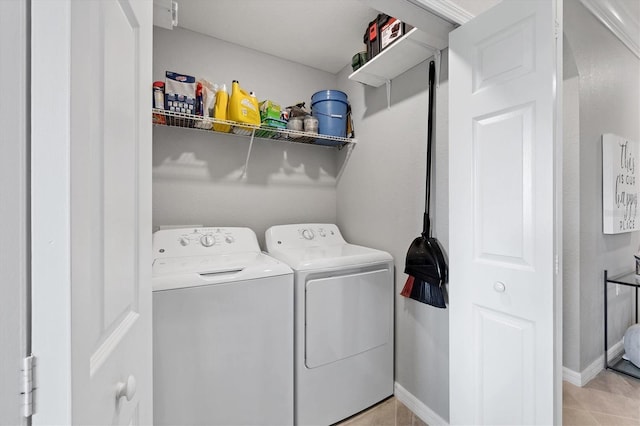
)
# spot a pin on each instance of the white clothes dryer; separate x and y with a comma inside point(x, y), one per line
point(222, 330)
point(343, 321)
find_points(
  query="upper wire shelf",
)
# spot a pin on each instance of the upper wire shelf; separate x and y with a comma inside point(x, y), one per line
point(178, 119)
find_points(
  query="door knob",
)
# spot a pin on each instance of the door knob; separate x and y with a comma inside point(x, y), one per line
point(126, 389)
point(499, 287)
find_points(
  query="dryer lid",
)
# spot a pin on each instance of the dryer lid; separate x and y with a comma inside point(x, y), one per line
point(328, 257)
point(308, 246)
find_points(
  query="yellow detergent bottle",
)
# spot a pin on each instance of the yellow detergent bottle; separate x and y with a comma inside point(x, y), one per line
point(220, 110)
point(243, 107)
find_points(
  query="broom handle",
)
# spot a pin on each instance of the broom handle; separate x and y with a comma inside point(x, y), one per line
point(426, 224)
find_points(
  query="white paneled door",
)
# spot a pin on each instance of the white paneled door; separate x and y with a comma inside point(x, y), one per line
point(92, 211)
point(502, 163)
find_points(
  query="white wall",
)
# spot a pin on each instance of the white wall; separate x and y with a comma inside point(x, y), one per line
point(380, 204)
point(197, 176)
point(609, 103)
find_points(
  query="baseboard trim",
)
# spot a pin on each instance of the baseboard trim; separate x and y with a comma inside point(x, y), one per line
point(586, 375)
point(425, 413)
point(571, 376)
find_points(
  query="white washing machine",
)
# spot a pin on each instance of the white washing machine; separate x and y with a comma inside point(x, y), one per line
point(343, 321)
point(222, 330)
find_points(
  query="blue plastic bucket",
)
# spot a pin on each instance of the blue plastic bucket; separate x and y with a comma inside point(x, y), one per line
point(330, 108)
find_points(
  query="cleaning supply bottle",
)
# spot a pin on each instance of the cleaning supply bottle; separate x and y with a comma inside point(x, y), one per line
point(243, 107)
point(242, 130)
point(220, 110)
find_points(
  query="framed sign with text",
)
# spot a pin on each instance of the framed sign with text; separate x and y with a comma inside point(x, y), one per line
point(620, 184)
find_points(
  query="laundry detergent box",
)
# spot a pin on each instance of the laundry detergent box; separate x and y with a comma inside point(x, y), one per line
point(179, 93)
point(269, 110)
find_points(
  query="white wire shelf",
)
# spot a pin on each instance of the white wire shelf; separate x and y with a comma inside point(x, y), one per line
point(163, 117)
point(405, 53)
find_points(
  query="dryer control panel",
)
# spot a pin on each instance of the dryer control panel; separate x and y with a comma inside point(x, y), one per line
point(303, 235)
point(203, 241)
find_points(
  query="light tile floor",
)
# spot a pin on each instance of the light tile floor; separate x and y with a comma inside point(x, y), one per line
point(609, 399)
point(389, 412)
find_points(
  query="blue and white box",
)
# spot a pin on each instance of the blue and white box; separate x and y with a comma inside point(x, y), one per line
point(180, 93)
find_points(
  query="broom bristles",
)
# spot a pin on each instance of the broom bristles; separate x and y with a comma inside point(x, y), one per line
point(435, 296)
point(423, 292)
point(429, 294)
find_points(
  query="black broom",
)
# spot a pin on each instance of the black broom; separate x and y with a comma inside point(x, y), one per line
point(425, 263)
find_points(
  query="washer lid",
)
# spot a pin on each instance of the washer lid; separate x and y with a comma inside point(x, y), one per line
point(326, 257)
point(180, 272)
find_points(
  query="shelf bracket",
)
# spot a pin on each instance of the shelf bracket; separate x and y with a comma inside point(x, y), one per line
point(388, 84)
point(438, 59)
point(246, 162)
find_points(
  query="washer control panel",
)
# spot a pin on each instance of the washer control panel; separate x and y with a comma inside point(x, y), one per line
point(203, 241)
point(303, 235)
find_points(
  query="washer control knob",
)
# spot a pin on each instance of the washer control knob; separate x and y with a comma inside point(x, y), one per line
point(229, 239)
point(207, 240)
point(307, 234)
point(184, 241)
point(322, 233)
